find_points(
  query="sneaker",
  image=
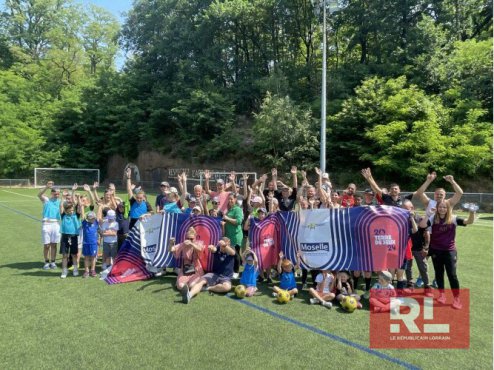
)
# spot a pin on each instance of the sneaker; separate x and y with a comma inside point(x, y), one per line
point(327, 304)
point(235, 275)
point(185, 294)
point(75, 272)
point(313, 301)
point(53, 265)
point(457, 303)
point(419, 283)
point(434, 284)
point(46, 266)
point(93, 273)
point(85, 275)
point(442, 298)
point(64, 273)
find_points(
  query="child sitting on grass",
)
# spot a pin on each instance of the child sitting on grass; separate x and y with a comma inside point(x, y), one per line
point(382, 292)
point(344, 288)
point(250, 273)
point(286, 270)
point(323, 294)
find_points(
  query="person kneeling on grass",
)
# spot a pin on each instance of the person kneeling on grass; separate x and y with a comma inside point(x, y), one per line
point(287, 276)
point(218, 281)
point(382, 292)
point(323, 294)
point(344, 288)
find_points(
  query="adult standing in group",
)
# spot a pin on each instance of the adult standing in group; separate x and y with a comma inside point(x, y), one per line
point(233, 229)
point(439, 193)
point(139, 206)
point(50, 224)
point(288, 196)
point(442, 248)
point(393, 198)
point(161, 197)
point(220, 192)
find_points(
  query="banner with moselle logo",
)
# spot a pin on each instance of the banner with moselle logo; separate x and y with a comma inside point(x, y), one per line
point(359, 238)
point(150, 233)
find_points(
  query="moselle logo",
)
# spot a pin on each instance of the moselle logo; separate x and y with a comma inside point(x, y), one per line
point(314, 247)
point(415, 320)
point(312, 225)
point(150, 248)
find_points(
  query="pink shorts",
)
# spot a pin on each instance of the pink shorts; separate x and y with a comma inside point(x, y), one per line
point(188, 279)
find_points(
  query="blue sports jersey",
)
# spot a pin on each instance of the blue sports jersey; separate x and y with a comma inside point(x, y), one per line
point(51, 209)
point(70, 224)
point(90, 232)
point(138, 209)
point(287, 280)
point(249, 276)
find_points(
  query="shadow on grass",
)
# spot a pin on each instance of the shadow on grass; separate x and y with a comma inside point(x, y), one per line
point(24, 266)
point(490, 218)
point(166, 282)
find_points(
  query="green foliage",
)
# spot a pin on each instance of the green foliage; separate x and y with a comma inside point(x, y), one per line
point(285, 134)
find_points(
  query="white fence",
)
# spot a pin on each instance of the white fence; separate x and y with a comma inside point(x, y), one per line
point(15, 183)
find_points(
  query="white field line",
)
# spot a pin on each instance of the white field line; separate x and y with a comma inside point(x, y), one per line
point(22, 195)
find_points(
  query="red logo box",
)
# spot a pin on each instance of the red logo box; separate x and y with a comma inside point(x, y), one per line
point(412, 320)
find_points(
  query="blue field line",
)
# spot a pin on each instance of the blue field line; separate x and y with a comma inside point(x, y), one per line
point(313, 329)
point(21, 213)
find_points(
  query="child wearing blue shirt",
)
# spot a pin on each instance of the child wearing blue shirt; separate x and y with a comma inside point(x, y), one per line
point(287, 276)
point(250, 273)
point(70, 232)
point(89, 243)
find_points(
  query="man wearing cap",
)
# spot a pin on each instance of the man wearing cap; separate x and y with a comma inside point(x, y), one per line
point(220, 192)
point(165, 189)
point(369, 198)
point(50, 226)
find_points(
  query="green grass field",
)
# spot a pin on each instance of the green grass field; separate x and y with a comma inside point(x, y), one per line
point(47, 322)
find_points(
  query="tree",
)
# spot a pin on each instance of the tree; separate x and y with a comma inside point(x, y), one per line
point(284, 134)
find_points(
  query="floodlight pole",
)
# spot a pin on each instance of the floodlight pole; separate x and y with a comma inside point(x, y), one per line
point(322, 158)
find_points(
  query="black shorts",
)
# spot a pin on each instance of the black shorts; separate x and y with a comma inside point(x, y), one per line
point(69, 244)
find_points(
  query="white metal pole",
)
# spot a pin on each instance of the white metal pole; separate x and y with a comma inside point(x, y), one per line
point(323, 94)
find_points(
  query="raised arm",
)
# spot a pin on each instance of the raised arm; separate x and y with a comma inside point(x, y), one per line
point(366, 172)
point(470, 219)
point(420, 193)
point(95, 191)
point(207, 176)
point(245, 177)
point(274, 177)
point(87, 189)
point(72, 194)
point(293, 171)
point(128, 173)
point(43, 190)
point(458, 191)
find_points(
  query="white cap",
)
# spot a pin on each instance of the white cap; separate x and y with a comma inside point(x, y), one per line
point(111, 214)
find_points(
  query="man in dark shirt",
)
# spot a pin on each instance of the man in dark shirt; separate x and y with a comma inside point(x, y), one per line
point(218, 281)
point(393, 198)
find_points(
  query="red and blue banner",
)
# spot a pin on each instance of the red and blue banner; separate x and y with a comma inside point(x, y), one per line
point(359, 238)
